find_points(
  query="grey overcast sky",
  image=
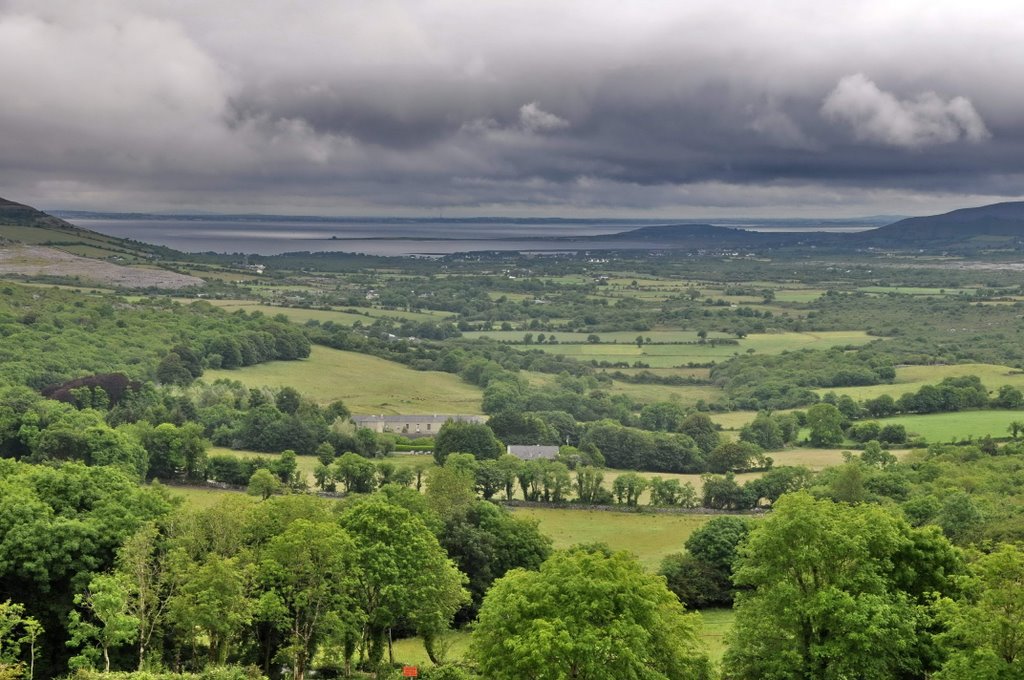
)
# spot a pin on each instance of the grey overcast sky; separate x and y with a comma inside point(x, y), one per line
point(683, 108)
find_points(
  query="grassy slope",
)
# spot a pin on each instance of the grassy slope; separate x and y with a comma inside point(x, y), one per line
point(367, 384)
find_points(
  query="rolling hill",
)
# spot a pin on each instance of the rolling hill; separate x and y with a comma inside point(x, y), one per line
point(39, 246)
point(999, 224)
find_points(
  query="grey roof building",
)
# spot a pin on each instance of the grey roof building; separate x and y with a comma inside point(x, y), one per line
point(533, 452)
point(414, 425)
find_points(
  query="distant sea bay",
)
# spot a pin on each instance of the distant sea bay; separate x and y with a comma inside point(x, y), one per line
point(269, 236)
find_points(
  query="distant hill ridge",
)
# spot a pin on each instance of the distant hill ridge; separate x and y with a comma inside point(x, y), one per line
point(18, 214)
point(1000, 225)
point(998, 219)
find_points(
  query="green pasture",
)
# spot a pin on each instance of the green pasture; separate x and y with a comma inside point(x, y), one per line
point(301, 315)
point(306, 463)
point(732, 420)
point(367, 384)
point(669, 355)
point(716, 624)
point(800, 296)
point(648, 536)
point(916, 290)
point(913, 378)
point(610, 338)
point(703, 373)
point(201, 498)
point(946, 427)
point(294, 314)
point(647, 394)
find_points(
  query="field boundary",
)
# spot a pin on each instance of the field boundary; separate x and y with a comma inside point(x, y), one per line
point(634, 510)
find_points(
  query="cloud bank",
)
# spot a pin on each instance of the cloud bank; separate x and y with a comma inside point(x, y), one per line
point(565, 107)
point(878, 116)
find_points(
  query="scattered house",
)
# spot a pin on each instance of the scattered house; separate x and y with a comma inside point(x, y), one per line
point(412, 426)
point(533, 452)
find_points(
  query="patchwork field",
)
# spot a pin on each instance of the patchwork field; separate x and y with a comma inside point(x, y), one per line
point(301, 315)
point(670, 355)
point(946, 427)
point(367, 384)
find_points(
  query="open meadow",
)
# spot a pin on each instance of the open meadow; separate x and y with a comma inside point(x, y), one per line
point(367, 384)
point(957, 427)
point(680, 354)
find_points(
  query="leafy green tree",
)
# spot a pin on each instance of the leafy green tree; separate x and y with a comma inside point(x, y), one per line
point(514, 427)
point(986, 628)
point(702, 577)
point(960, 517)
point(835, 591)
point(1009, 397)
point(703, 431)
point(881, 406)
point(16, 631)
point(628, 487)
point(172, 370)
point(737, 457)
point(826, 424)
point(589, 484)
point(148, 580)
point(174, 452)
point(666, 416)
point(213, 606)
point(718, 540)
point(310, 575)
point(486, 541)
point(489, 479)
point(406, 574)
point(555, 481)
point(460, 437)
point(875, 456)
point(586, 613)
point(355, 472)
point(780, 480)
point(450, 488)
point(287, 400)
point(58, 527)
point(763, 431)
point(508, 467)
point(722, 492)
point(264, 484)
point(286, 467)
point(107, 624)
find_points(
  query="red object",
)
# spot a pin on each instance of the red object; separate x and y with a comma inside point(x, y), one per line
point(410, 672)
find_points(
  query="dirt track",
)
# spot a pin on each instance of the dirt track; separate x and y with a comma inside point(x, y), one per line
point(42, 261)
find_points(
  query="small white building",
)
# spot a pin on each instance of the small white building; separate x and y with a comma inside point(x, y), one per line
point(412, 426)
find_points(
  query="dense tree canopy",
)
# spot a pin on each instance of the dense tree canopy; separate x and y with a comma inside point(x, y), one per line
point(588, 614)
point(836, 591)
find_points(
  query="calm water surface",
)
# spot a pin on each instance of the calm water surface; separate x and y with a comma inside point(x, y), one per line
point(378, 237)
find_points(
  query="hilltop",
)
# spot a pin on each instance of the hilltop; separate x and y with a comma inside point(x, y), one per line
point(35, 244)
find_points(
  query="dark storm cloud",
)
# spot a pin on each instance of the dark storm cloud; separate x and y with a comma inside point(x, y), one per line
point(558, 107)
